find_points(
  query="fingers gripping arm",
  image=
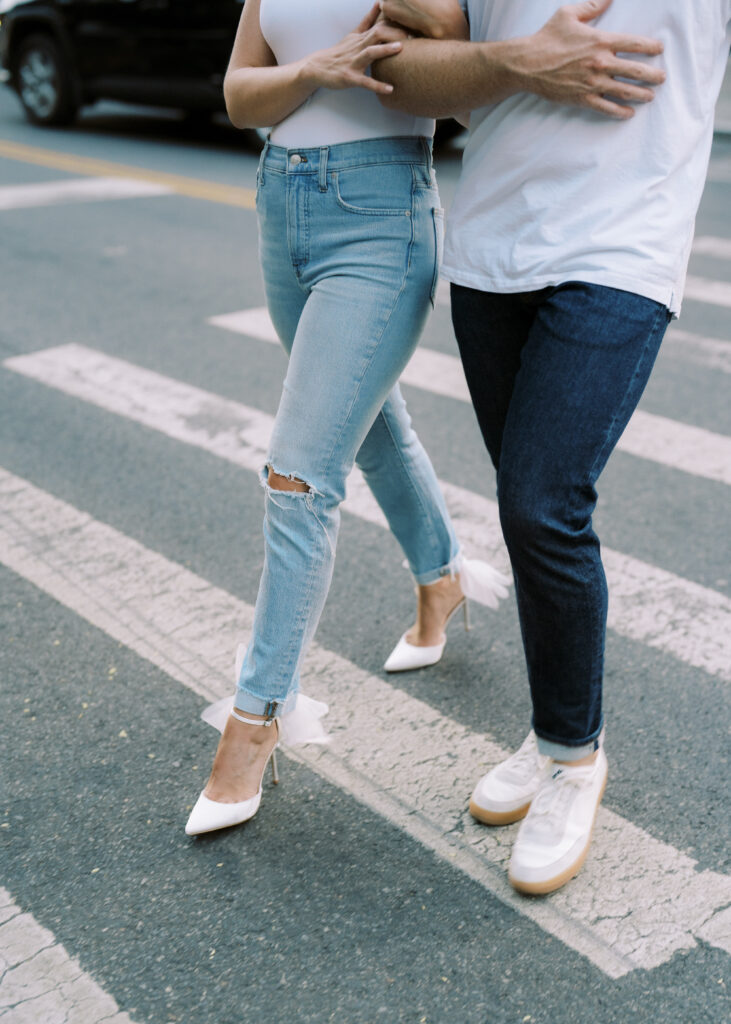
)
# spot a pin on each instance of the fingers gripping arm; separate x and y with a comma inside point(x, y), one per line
point(567, 61)
point(259, 92)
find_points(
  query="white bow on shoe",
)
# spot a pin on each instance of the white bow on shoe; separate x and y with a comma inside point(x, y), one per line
point(300, 725)
point(481, 583)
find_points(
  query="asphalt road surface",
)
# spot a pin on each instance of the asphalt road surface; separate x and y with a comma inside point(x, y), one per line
point(138, 381)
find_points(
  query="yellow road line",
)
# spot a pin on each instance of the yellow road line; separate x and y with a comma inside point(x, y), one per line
point(197, 188)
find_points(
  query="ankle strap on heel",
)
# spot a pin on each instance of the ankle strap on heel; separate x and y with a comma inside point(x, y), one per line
point(270, 712)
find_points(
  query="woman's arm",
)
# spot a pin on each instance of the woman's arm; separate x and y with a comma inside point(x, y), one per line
point(258, 92)
point(436, 19)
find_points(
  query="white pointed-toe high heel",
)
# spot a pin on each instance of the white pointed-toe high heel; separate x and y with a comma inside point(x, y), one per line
point(481, 583)
point(406, 656)
point(300, 725)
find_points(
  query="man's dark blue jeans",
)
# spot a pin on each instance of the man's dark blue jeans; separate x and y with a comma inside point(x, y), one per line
point(555, 376)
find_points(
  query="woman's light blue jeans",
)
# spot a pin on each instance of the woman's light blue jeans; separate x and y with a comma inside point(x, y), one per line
point(350, 240)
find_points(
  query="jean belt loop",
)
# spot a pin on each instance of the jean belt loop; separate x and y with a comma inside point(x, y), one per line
point(426, 146)
point(262, 161)
point(323, 168)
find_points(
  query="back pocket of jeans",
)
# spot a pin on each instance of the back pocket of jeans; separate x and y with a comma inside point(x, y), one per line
point(375, 190)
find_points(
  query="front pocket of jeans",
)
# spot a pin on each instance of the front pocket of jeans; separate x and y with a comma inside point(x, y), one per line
point(375, 190)
point(438, 222)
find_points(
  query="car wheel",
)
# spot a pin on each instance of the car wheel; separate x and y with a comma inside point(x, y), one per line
point(44, 82)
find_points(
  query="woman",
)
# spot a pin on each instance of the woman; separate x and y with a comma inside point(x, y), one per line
point(350, 232)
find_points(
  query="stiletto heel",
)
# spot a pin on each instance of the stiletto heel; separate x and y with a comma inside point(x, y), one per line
point(300, 725)
point(275, 769)
point(480, 582)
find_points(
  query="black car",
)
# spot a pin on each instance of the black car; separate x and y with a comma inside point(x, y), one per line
point(62, 54)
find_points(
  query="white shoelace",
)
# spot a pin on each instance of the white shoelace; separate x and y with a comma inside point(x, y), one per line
point(523, 764)
point(547, 816)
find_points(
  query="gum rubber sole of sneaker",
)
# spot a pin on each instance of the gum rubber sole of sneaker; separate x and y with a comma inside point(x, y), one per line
point(549, 885)
point(486, 817)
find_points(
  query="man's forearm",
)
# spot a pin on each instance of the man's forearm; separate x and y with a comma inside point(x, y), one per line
point(566, 61)
point(435, 78)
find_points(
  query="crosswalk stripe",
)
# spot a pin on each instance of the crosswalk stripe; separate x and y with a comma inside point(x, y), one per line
point(637, 903)
point(708, 245)
point(715, 293)
point(40, 982)
point(649, 604)
point(712, 353)
point(719, 170)
point(254, 322)
point(78, 190)
point(676, 445)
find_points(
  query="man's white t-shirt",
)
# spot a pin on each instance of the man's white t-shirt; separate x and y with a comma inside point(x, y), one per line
point(550, 194)
point(293, 29)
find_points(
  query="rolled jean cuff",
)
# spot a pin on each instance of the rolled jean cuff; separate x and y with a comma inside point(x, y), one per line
point(250, 704)
point(423, 579)
point(562, 752)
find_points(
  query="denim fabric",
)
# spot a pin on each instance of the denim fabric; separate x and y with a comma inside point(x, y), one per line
point(350, 239)
point(554, 377)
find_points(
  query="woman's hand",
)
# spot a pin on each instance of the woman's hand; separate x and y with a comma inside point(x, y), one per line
point(436, 19)
point(344, 65)
point(259, 92)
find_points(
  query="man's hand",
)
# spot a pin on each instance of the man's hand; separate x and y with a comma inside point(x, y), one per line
point(567, 61)
point(571, 62)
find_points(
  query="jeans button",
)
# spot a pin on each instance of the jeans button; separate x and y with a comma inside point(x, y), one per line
point(295, 159)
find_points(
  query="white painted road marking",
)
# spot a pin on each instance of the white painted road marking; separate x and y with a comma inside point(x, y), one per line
point(719, 170)
point(707, 245)
point(76, 190)
point(715, 293)
point(677, 445)
point(712, 353)
point(39, 982)
point(254, 322)
point(637, 902)
point(656, 607)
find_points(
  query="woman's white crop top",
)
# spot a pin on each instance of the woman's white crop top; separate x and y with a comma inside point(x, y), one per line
point(293, 29)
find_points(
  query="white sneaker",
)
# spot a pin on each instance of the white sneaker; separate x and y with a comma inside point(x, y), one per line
point(505, 793)
point(554, 839)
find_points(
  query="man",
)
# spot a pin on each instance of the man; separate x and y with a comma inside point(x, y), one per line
point(567, 247)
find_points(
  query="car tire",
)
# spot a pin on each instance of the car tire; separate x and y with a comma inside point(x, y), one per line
point(44, 82)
